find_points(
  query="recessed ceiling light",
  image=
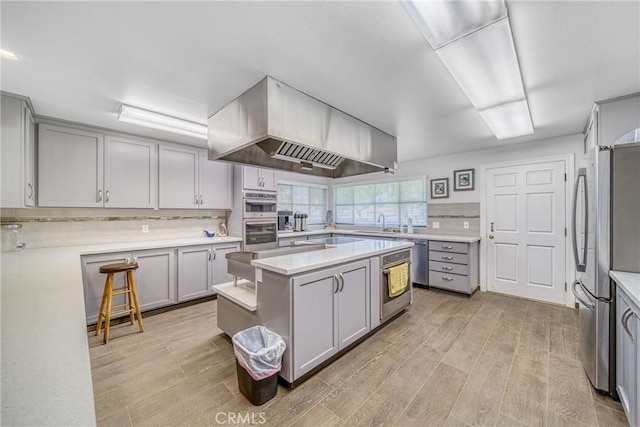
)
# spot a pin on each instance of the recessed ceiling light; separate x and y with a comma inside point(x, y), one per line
point(7, 54)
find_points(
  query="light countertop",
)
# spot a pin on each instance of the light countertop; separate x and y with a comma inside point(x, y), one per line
point(292, 264)
point(630, 284)
point(373, 233)
point(46, 373)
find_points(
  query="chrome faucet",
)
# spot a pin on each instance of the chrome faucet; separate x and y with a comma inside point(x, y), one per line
point(381, 215)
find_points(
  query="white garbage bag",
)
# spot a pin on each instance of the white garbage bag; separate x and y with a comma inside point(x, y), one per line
point(259, 351)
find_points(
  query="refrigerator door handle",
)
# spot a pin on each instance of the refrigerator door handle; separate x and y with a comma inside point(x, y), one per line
point(581, 266)
point(578, 297)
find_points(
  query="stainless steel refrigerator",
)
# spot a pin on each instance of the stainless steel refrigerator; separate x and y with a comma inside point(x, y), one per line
point(606, 235)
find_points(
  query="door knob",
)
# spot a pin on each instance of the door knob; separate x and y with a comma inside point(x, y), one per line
point(491, 236)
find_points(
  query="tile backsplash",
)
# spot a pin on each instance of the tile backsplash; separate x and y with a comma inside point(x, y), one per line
point(451, 218)
point(67, 227)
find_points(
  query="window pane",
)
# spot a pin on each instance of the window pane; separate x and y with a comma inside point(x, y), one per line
point(344, 195)
point(412, 191)
point(364, 194)
point(301, 208)
point(284, 207)
point(391, 214)
point(300, 195)
point(364, 214)
point(344, 214)
point(387, 192)
point(284, 194)
point(317, 196)
point(417, 212)
point(316, 214)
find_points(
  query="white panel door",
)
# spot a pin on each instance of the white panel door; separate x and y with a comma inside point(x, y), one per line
point(526, 229)
point(214, 183)
point(130, 174)
point(70, 167)
point(178, 178)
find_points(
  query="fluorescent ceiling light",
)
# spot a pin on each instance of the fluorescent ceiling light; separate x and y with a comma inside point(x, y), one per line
point(442, 22)
point(7, 54)
point(508, 120)
point(473, 39)
point(485, 66)
point(151, 119)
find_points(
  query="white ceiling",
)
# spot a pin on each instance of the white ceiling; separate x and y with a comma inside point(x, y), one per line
point(83, 59)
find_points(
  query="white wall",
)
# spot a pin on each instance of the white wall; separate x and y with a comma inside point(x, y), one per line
point(443, 166)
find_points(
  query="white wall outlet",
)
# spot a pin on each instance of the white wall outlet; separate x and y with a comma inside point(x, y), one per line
point(145, 228)
point(465, 224)
point(435, 225)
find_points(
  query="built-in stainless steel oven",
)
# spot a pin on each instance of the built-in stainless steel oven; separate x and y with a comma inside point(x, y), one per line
point(260, 234)
point(259, 205)
point(390, 306)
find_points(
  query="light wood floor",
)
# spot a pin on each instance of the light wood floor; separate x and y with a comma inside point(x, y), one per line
point(451, 360)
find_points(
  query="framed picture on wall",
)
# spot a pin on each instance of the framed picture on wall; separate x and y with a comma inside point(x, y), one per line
point(440, 188)
point(463, 180)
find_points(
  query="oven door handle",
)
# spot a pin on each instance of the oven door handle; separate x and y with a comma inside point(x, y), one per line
point(261, 223)
point(386, 270)
point(260, 201)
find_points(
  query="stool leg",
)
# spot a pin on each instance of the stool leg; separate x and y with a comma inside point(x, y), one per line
point(135, 298)
point(107, 320)
point(129, 299)
point(102, 306)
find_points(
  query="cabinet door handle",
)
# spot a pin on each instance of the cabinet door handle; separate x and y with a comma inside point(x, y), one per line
point(447, 257)
point(448, 279)
point(209, 257)
point(201, 199)
point(444, 267)
point(106, 196)
point(195, 201)
point(337, 282)
point(135, 259)
point(447, 247)
point(341, 282)
point(99, 195)
point(30, 191)
point(625, 320)
point(127, 260)
point(214, 254)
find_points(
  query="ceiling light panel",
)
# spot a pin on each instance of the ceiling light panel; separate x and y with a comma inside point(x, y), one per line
point(151, 119)
point(12, 56)
point(508, 120)
point(485, 65)
point(444, 21)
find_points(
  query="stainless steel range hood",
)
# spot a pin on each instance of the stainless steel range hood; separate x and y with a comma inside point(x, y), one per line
point(275, 126)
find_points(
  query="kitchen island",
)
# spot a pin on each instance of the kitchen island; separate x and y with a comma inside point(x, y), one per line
point(321, 302)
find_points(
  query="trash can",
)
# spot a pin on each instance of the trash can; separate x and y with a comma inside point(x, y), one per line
point(258, 354)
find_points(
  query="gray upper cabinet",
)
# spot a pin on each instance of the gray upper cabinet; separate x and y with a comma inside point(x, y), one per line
point(188, 180)
point(214, 182)
point(80, 168)
point(70, 167)
point(254, 178)
point(178, 178)
point(130, 173)
point(17, 154)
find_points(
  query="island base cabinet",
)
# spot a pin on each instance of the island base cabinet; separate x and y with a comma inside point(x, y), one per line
point(330, 312)
point(628, 357)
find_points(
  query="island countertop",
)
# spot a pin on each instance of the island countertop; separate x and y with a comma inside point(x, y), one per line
point(629, 282)
point(417, 237)
point(293, 264)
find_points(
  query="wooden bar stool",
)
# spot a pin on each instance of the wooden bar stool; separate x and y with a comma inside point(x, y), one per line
point(109, 292)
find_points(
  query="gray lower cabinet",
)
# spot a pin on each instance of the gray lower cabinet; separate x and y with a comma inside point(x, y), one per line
point(330, 312)
point(628, 356)
point(155, 279)
point(200, 267)
point(453, 266)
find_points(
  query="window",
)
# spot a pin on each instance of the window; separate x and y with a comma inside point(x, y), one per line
point(362, 204)
point(311, 200)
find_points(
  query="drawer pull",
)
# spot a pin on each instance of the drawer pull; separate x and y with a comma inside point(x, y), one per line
point(447, 257)
point(444, 267)
point(448, 279)
point(447, 247)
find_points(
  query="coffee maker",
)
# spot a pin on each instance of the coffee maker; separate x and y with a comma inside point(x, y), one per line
point(285, 221)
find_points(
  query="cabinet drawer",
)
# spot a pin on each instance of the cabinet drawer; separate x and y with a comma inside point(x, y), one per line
point(448, 257)
point(446, 267)
point(460, 248)
point(452, 282)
